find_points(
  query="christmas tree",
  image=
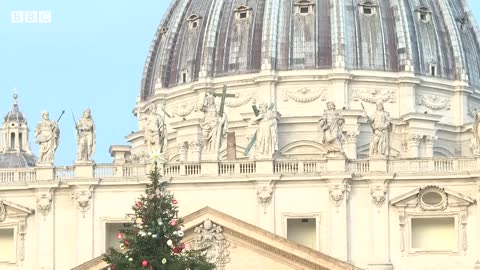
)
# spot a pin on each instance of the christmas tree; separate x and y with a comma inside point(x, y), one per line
point(154, 240)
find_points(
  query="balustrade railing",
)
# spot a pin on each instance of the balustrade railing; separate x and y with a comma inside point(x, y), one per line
point(64, 173)
point(280, 167)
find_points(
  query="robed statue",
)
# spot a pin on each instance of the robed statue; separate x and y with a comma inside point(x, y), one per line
point(85, 135)
point(155, 131)
point(381, 125)
point(331, 125)
point(47, 135)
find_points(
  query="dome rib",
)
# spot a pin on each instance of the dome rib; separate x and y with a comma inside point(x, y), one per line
point(338, 34)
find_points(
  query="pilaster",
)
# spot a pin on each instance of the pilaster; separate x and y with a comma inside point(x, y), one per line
point(380, 257)
point(83, 200)
point(45, 225)
point(339, 191)
point(266, 205)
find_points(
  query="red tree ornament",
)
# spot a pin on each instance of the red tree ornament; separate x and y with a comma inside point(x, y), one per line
point(174, 201)
point(173, 222)
point(144, 263)
point(139, 204)
point(119, 236)
point(176, 250)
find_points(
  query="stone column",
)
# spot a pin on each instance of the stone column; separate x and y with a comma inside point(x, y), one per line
point(350, 147)
point(477, 243)
point(265, 191)
point(380, 259)
point(414, 145)
point(339, 190)
point(82, 197)
point(429, 142)
point(45, 228)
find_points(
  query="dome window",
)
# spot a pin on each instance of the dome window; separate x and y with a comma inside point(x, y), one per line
point(184, 78)
point(462, 23)
point(164, 31)
point(424, 14)
point(368, 8)
point(242, 12)
point(194, 21)
point(433, 70)
point(304, 7)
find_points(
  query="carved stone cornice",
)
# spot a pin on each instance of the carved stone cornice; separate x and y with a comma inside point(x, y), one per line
point(82, 198)
point(434, 102)
point(374, 95)
point(209, 237)
point(414, 139)
point(304, 95)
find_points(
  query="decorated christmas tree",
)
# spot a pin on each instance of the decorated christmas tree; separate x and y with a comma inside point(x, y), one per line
point(154, 240)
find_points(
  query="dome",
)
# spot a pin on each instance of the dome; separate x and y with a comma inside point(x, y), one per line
point(17, 160)
point(206, 39)
point(14, 115)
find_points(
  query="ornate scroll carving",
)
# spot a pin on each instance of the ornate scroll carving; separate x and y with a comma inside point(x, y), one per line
point(463, 222)
point(44, 203)
point(209, 237)
point(239, 100)
point(338, 193)
point(3, 212)
point(378, 193)
point(304, 95)
point(434, 102)
point(374, 95)
point(472, 109)
point(82, 199)
point(185, 108)
point(432, 198)
point(264, 195)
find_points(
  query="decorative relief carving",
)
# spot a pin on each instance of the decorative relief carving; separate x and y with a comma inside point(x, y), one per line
point(463, 222)
point(374, 95)
point(82, 199)
point(239, 100)
point(305, 95)
point(209, 237)
point(472, 109)
point(414, 139)
point(378, 193)
point(44, 203)
point(3, 212)
point(351, 136)
point(185, 108)
point(338, 193)
point(434, 102)
point(264, 195)
point(432, 198)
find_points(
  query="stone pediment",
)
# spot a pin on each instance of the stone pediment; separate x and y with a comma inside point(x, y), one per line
point(9, 209)
point(244, 246)
point(432, 198)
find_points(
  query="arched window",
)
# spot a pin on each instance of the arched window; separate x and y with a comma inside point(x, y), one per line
point(12, 140)
point(424, 14)
point(20, 140)
point(194, 21)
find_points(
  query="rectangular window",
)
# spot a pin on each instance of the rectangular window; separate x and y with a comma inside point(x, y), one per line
point(433, 70)
point(367, 10)
point(243, 15)
point(7, 245)
point(111, 232)
point(304, 10)
point(302, 231)
point(433, 234)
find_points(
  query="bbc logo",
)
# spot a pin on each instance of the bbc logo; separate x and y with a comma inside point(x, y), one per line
point(32, 17)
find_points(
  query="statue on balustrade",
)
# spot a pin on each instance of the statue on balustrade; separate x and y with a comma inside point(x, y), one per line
point(212, 124)
point(476, 134)
point(266, 134)
point(331, 125)
point(85, 135)
point(381, 125)
point(155, 135)
point(47, 135)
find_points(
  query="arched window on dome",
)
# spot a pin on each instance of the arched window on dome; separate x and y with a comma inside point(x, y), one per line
point(194, 21)
point(304, 7)
point(242, 12)
point(424, 14)
point(163, 31)
point(368, 8)
point(12, 140)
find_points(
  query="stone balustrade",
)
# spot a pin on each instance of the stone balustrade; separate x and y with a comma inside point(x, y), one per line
point(232, 168)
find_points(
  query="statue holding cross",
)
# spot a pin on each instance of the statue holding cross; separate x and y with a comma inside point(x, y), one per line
point(214, 123)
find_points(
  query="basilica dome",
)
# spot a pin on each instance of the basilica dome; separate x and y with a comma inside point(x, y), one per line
point(207, 39)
